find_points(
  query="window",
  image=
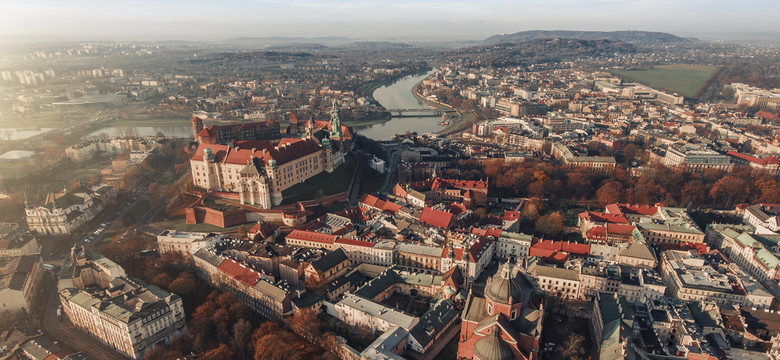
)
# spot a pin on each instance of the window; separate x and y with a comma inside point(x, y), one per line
point(490, 309)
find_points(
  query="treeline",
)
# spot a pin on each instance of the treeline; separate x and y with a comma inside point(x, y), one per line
point(672, 187)
point(221, 327)
point(762, 73)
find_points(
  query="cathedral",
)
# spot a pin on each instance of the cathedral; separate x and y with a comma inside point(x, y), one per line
point(505, 323)
point(256, 172)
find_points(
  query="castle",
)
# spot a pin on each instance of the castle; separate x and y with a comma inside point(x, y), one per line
point(257, 171)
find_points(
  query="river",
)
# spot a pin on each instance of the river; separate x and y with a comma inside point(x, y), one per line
point(399, 96)
point(395, 96)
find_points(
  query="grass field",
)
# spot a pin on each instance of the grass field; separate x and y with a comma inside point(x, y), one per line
point(683, 79)
point(330, 183)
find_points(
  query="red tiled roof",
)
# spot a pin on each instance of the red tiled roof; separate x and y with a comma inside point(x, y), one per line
point(311, 236)
point(354, 213)
point(755, 160)
point(550, 249)
point(576, 248)
point(596, 233)
point(206, 132)
point(511, 215)
point(354, 242)
point(632, 209)
point(767, 115)
point(436, 218)
point(375, 202)
point(595, 216)
point(264, 151)
point(239, 272)
point(623, 229)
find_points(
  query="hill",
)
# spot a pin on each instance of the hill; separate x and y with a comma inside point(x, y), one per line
point(538, 51)
point(632, 37)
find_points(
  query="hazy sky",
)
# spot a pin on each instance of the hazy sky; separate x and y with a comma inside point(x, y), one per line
point(402, 19)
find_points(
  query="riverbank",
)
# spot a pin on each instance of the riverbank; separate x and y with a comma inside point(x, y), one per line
point(460, 121)
point(434, 104)
point(463, 123)
point(368, 91)
point(368, 121)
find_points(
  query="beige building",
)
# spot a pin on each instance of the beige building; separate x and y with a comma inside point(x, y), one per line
point(687, 278)
point(187, 243)
point(20, 278)
point(602, 164)
point(128, 315)
point(748, 252)
point(19, 246)
point(556, 281)
point(64, 212)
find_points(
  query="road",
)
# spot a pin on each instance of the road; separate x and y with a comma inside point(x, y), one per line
point(71, 337)
point(394, 158)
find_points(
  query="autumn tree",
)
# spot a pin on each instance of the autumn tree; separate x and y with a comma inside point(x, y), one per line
point(612, 192)
point(551, 224)
point(242, 338)
point(729, 190)
point(579, 184)
point(305, 323)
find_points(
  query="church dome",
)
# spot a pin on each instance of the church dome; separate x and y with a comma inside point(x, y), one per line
point(504, 286)
point(492, 347)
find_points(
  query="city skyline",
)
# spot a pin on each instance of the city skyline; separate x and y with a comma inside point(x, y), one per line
point(401, 20)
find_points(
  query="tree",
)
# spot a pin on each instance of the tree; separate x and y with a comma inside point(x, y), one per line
point(551, 224)
point(579, 183)
point(530, 212)
point(631, 152)
point(612, 192)
point(242, 231)
point(306, 323)
point(729, 190)
point(574, 347)
point(220, 353)
point(242, 338)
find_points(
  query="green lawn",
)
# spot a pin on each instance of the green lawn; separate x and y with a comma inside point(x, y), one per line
point(330, 184)
point(684, 79)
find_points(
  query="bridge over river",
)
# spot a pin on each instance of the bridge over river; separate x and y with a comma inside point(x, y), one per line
point(399, 113)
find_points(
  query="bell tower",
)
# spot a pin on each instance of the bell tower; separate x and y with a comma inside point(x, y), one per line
point(335, 122)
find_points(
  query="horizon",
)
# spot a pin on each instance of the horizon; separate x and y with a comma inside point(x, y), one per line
point(405, 20)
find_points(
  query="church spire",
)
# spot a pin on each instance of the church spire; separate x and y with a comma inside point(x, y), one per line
point(335, 121)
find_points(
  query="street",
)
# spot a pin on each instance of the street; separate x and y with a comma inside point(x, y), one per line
point(394, 158)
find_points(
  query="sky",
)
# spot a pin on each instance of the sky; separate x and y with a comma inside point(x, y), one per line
point(373, 19)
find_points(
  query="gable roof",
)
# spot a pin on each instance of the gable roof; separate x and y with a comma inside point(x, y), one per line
point(438, 218)
point(311, 236)
point(239, 272)
point(329, 261)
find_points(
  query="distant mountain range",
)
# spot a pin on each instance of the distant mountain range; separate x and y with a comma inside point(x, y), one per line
point(314, 43)
point(631, 37)
point(285, 40)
